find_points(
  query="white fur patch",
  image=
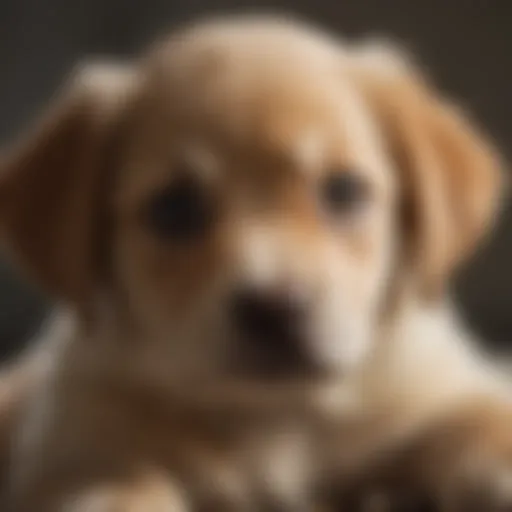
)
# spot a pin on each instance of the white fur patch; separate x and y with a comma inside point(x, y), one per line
point(309, 151)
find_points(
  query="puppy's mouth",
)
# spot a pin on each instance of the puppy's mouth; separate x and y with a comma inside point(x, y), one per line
point(274, 358)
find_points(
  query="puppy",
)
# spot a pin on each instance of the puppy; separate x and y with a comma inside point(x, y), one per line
point(251, 230)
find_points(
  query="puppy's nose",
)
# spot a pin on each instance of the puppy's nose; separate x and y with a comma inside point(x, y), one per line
point(260, 314)
point(269, 326)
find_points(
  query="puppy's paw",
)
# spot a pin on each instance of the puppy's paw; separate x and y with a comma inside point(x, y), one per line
point(483, 485)
point(151, 492)
point(383, 499)
point(465, 462)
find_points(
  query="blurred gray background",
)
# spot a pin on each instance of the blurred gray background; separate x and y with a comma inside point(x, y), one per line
point(466, 44)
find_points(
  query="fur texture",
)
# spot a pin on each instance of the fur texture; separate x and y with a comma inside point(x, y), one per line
point(143, 403)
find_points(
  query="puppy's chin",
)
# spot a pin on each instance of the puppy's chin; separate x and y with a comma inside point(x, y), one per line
point(276, 393)
point(257, 396)
point(239, 391)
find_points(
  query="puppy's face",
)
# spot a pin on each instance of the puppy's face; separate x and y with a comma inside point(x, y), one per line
point(254, 212)
point(255, 199)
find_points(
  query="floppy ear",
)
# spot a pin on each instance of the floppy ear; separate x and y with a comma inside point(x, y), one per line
point(450, 173)
point(51, 182)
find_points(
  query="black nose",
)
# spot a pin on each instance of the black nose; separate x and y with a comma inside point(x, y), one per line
point(269, 326)
point(260, 314)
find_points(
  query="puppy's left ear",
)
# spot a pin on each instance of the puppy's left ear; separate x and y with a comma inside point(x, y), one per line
point(451, 175)
point(52, 182)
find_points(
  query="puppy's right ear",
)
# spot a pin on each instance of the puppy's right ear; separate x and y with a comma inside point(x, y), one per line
point(52, 182)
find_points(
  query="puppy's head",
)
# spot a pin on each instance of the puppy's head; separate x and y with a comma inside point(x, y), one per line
point(248, 199)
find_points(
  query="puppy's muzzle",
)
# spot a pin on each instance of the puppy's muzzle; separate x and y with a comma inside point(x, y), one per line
point(269, 327)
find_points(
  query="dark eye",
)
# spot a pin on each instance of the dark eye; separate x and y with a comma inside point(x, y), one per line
point(344, 191)
point(182, 211)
